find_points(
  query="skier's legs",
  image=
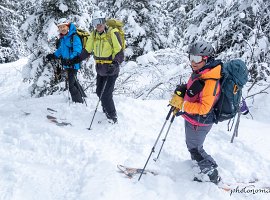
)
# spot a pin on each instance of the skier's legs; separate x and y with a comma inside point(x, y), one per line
point(195, 136)
point(74, 91)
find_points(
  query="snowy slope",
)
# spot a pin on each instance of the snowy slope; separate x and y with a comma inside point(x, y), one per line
point(39, 160)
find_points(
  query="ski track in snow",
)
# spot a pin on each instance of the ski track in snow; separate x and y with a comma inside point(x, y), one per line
point(39, 160)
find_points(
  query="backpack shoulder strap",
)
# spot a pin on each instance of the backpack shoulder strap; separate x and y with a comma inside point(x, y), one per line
point(108, 35)
point(71, 40)
point(118, 36)
point(216, 85)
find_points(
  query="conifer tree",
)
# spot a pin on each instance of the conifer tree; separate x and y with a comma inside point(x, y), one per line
point(11, 43)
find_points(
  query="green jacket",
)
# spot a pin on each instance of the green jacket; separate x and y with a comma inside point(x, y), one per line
point(106, 48)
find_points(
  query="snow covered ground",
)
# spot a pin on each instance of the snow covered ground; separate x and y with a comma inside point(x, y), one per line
point(41, 161)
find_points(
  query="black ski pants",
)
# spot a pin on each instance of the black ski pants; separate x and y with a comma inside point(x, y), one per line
point(107, 96)
point(75, 89)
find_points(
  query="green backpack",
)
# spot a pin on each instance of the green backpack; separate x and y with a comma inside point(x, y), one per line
point(118, 24)
point(83, 35)
point(115, 23)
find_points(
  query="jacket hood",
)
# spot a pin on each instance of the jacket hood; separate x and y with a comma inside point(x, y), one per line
point(211, 64)
point(213, 73)
point(72, 29)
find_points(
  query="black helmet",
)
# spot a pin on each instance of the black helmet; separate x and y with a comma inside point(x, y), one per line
point(201, 49)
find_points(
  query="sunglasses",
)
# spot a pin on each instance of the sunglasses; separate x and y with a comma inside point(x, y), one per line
point(197, 59)
point(98, 21)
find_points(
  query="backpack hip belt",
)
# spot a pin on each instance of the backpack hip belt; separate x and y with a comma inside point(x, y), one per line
point(104, 61)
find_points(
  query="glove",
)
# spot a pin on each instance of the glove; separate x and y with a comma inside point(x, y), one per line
point(112, 67)
point(195, 88)
point(175, 111)
point(70, 62)
point(67, 62)
point(177, 102)
point(181, 90)
point(50, 56)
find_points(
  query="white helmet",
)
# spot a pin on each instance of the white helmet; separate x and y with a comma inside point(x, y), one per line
point(63, 21)
point(98, 18)
point(98, 15)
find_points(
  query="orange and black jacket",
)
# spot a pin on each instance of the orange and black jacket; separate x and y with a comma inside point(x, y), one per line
point(198, 109)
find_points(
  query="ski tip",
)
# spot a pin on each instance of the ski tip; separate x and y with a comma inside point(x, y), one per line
point(52, 110)
point(225, 189)
point(133, 170)
point(120, 166)
point(26, 113)
point(50, 117)
point(63, 124)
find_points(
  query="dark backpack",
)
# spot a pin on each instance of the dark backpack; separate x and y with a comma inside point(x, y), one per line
point(234, 76)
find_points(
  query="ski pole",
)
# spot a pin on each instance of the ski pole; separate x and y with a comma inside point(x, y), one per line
point(153, 148)
point(101, 94)
point(163, 141)
point(235, 132)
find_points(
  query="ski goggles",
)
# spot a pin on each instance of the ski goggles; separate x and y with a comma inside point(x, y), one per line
point(197, 59)
point(98, 21)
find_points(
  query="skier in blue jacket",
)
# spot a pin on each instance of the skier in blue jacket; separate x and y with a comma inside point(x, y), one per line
point(70, 46)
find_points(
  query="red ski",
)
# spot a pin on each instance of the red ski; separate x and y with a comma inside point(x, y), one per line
point(54, 120)
point(131, 172)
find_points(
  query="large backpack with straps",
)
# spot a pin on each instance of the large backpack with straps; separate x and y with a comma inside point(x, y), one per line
point(118, 24)
point(234, 76)
point(83, 35)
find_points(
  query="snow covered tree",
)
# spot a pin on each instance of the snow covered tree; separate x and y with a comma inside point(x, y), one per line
point(11, 43)
point(145, 26)
point(237, 29)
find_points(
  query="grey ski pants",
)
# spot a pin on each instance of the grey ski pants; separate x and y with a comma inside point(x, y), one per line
point(195, 136)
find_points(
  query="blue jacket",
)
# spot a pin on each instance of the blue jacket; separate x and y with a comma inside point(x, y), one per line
point(69, 49)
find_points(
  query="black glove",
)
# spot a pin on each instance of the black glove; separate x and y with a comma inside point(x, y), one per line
point(70, 62)
point(50, 56)
point(112, 67)
point(66, 62)
point(195, 88)
point(181, 90)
